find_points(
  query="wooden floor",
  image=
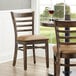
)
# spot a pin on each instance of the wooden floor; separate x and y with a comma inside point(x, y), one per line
point(38, 69)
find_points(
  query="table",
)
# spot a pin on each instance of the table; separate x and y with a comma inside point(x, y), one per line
point(67, 69)
point(47, 24)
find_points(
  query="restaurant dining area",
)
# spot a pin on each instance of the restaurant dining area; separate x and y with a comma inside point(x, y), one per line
point(38, 38)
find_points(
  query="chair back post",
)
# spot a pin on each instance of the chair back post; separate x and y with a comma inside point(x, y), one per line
point(57, 40)
point(14, 25)
point(33, 22)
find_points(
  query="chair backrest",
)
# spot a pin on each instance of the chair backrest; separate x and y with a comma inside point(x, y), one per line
point(63, 34)
point(23, 22)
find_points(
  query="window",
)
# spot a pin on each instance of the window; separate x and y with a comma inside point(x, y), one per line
point(72, 6)
point(63, 9)
point(35, 7)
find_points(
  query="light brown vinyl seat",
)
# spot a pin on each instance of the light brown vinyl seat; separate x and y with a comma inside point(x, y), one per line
point(71, 49)
point(24, 35)
point(31, 37)
point(66, 44)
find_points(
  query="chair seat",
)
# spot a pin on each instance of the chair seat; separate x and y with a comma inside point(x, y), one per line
point(31, 38)
point(66, 49)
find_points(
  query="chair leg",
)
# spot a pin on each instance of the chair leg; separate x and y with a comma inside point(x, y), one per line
point(15, 54)
point(47, 54)
point(54, 65)
point(25, 57)
point(34, 58)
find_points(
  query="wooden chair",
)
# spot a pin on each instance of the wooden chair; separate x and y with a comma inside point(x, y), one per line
point(66, 44)
point(24, 22)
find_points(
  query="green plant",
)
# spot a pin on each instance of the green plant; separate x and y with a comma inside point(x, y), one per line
point(48, 32)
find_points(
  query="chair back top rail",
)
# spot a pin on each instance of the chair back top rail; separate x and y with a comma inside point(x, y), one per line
point(65, 23)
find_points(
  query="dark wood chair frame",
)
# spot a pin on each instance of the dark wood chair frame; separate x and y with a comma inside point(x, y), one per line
point(34, 39)
point(58, 53)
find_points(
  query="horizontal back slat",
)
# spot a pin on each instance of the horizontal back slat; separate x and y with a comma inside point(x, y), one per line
point(23, 20)
point(24, 30)
point(27, 14)
point(67, 43)
point(67, 37)
point(67, 23)
point(24, 25)
point(64, 31)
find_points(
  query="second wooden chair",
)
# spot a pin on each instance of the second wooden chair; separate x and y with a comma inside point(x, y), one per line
point(66, 44)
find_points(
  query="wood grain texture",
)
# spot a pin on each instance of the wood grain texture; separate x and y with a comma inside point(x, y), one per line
point(39, 69)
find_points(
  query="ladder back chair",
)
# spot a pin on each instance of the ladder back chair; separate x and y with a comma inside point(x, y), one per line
point(24, 22)
point(64, 49)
